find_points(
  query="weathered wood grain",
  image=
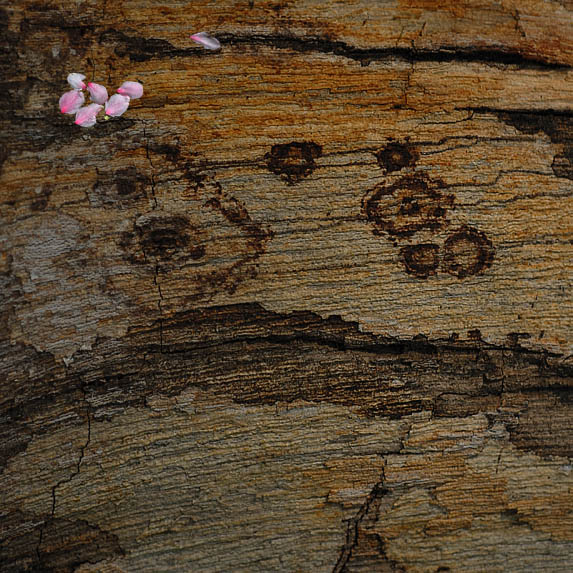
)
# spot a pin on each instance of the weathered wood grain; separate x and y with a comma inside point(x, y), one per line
point(306, 306)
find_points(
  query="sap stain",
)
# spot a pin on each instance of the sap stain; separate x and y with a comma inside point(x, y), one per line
point(411, 204)
point(171, 152)
point(165, 237)
point(126, 181)
point(563, 163)
point(138, 48)
point(513, 338)
point(421, 260)
point(558, 126)
point(293, 161)
point(230, 208)
point(467, 252)
point(396, 156)
point(475, 334)
point(119, 188)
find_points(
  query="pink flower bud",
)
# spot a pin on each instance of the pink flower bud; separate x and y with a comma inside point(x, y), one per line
point(98, 93)
point(133, 90)
point(86, 117)
point(116, 105)
point(206, 40)
point(71, 101)
point(75, 80)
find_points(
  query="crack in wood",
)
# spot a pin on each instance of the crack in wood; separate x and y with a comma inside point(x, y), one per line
point(354, 523)
point(140, 49)
point(68, 479)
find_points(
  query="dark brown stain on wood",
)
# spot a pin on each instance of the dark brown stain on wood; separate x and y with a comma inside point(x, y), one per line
point(563, 163)
point(467, 252)
point(421, 260)
point(557, 125)
point(257, 237)
point(293, 161)
point(164, 237)
point(120, 188)
point(397, 155)
point(542, 423)
point(412, 204)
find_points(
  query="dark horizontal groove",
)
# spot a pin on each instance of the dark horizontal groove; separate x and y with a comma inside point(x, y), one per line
point(358, 341)
point(390, 349)
point(549, 112)
point(382, 348)
point(139, 48)
point(563, 390)
point(446, 54)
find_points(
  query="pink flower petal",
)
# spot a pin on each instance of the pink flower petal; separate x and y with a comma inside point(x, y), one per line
point(98, 93)
point(206, 40)
point(133, 90)
point(86, 116)
point(71, 101)
point(116, 105)
point(75, 80)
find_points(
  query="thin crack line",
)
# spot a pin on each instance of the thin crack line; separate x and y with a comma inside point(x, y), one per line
point(352, 529)
point(155, 204)
point(69, 478)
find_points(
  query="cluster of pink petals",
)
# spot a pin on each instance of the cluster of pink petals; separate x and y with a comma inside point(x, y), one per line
point(72, 102)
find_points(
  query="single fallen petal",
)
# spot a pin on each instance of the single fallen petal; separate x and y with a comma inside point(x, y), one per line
point(206, 40)
point(71, 101)
point(98, 93)
point(76, 81)
point(86, 116)
point(133, 90)
point(116, 105)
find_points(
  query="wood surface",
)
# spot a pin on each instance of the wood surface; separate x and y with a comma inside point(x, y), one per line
point(306, 306)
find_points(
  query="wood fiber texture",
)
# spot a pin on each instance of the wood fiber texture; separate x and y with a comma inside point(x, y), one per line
point(306, 306)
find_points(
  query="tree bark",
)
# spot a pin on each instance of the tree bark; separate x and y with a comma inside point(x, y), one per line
point(306, 306)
